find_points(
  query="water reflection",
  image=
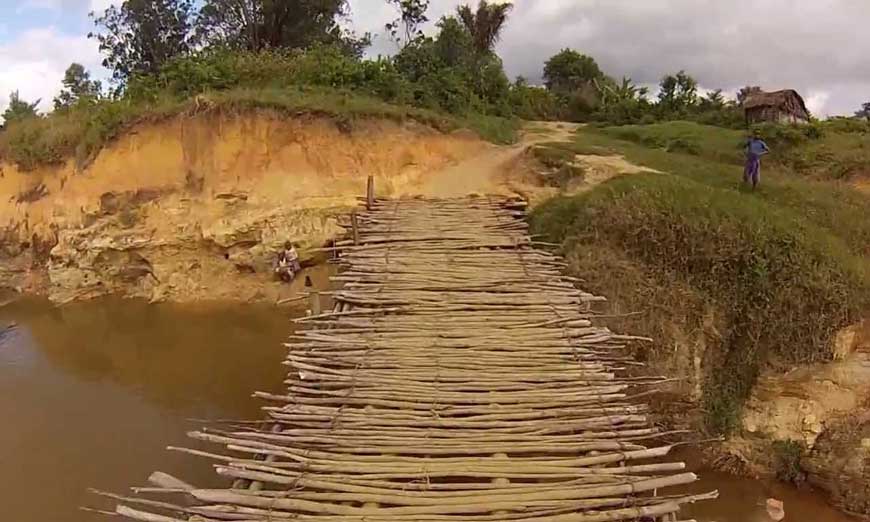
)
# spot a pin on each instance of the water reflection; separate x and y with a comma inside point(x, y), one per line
point(743, 499)
point(91, 394)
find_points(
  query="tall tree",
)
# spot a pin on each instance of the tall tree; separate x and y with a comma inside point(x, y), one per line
point(678, 92)
point(19, 109)
point(78, 87)
point(255, 25)
point(864, 112)
point(569, 71)
point(408, 28)
point(485, 24)
point(140, 36)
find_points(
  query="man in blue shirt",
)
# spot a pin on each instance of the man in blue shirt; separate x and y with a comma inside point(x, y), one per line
point(755, 149)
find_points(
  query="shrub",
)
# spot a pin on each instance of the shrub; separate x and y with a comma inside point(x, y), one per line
point(787, 455)
point(534, 103)
point(847, 125)
point(789, 136)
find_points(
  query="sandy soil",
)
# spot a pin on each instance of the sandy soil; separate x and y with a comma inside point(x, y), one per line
point(489, 172)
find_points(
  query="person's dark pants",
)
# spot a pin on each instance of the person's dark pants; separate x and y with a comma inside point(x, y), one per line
point(752, 171)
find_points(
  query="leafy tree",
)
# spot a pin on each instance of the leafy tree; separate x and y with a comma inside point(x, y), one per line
point(864, 112)
point(454, 46)
point(569, 71)
point(140, 36)
point(746, 92)
point(408, 28)
point(446, 73)
point(19, 109)
point(486, 24)
point(625, 91)
point(678, 92)
point(713, 101)
point(77, 87)
point(256, 25)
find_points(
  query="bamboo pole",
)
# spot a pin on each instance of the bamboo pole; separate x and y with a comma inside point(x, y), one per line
point(461, 376)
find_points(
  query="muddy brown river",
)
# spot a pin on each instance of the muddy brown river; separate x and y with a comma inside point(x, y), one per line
point(91, 394)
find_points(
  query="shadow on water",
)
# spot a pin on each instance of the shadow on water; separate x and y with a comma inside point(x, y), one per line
point(91, 394)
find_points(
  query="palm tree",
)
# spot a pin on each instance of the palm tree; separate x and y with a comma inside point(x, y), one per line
point(626, 91)
point(486, 24)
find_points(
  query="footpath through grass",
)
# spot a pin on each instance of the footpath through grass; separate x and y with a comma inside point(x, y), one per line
point(767, 277)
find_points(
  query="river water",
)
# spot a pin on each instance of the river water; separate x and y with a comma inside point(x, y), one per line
point(91, 394)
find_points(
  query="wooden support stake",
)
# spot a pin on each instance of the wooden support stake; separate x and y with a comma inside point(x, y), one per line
point(315, 303)
point(370, 193)
point(355, 224)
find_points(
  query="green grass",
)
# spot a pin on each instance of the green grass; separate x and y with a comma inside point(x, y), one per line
point(783, 268)
point(81, 133)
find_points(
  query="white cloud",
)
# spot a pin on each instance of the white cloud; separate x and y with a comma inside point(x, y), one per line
point(98, 6)
point(34, 62)
point(817, 102)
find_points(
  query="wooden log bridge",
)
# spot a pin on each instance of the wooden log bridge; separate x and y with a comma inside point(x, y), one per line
point(460, 377)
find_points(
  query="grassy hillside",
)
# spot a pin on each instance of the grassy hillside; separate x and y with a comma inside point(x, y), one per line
point(766, 278)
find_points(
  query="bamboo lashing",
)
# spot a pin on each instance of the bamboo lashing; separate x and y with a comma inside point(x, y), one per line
point(459, 377)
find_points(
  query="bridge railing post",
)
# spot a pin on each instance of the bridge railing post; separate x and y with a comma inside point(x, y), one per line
point(354, 223)
point(370, 193)
point(314, 303)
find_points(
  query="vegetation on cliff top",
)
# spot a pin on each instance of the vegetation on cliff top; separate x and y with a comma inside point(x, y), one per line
point(165, 55)
point(780, 270)
point(169, 58)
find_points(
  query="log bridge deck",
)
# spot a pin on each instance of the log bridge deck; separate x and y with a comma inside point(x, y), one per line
point(460, 377)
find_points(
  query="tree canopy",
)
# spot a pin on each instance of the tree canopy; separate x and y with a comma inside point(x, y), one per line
point(569, 71)
point(485, 25)
point(678, 91)
point(408, 28)
point(19, 109)
point(140, 36)
point(78, 87)
point(256, 25)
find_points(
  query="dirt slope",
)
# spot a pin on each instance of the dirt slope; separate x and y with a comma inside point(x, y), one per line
point(193, 209)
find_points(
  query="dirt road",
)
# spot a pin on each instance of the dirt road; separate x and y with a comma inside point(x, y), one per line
point(485, 173)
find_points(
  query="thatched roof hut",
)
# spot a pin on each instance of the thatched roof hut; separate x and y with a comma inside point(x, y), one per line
point(784, 106)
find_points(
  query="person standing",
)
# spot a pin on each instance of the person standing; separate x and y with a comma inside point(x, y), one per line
point(755, 149)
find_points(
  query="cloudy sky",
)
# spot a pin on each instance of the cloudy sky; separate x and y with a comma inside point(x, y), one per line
point(820, 47)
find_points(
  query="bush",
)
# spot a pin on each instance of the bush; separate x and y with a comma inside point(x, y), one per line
point(789, 136)
point(534, 103)
point(847, 125)
point(787, 455)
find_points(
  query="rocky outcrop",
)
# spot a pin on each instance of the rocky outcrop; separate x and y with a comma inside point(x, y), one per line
point(839, 461)
point(823, 411)
point(197, 208)
point(154, 252)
